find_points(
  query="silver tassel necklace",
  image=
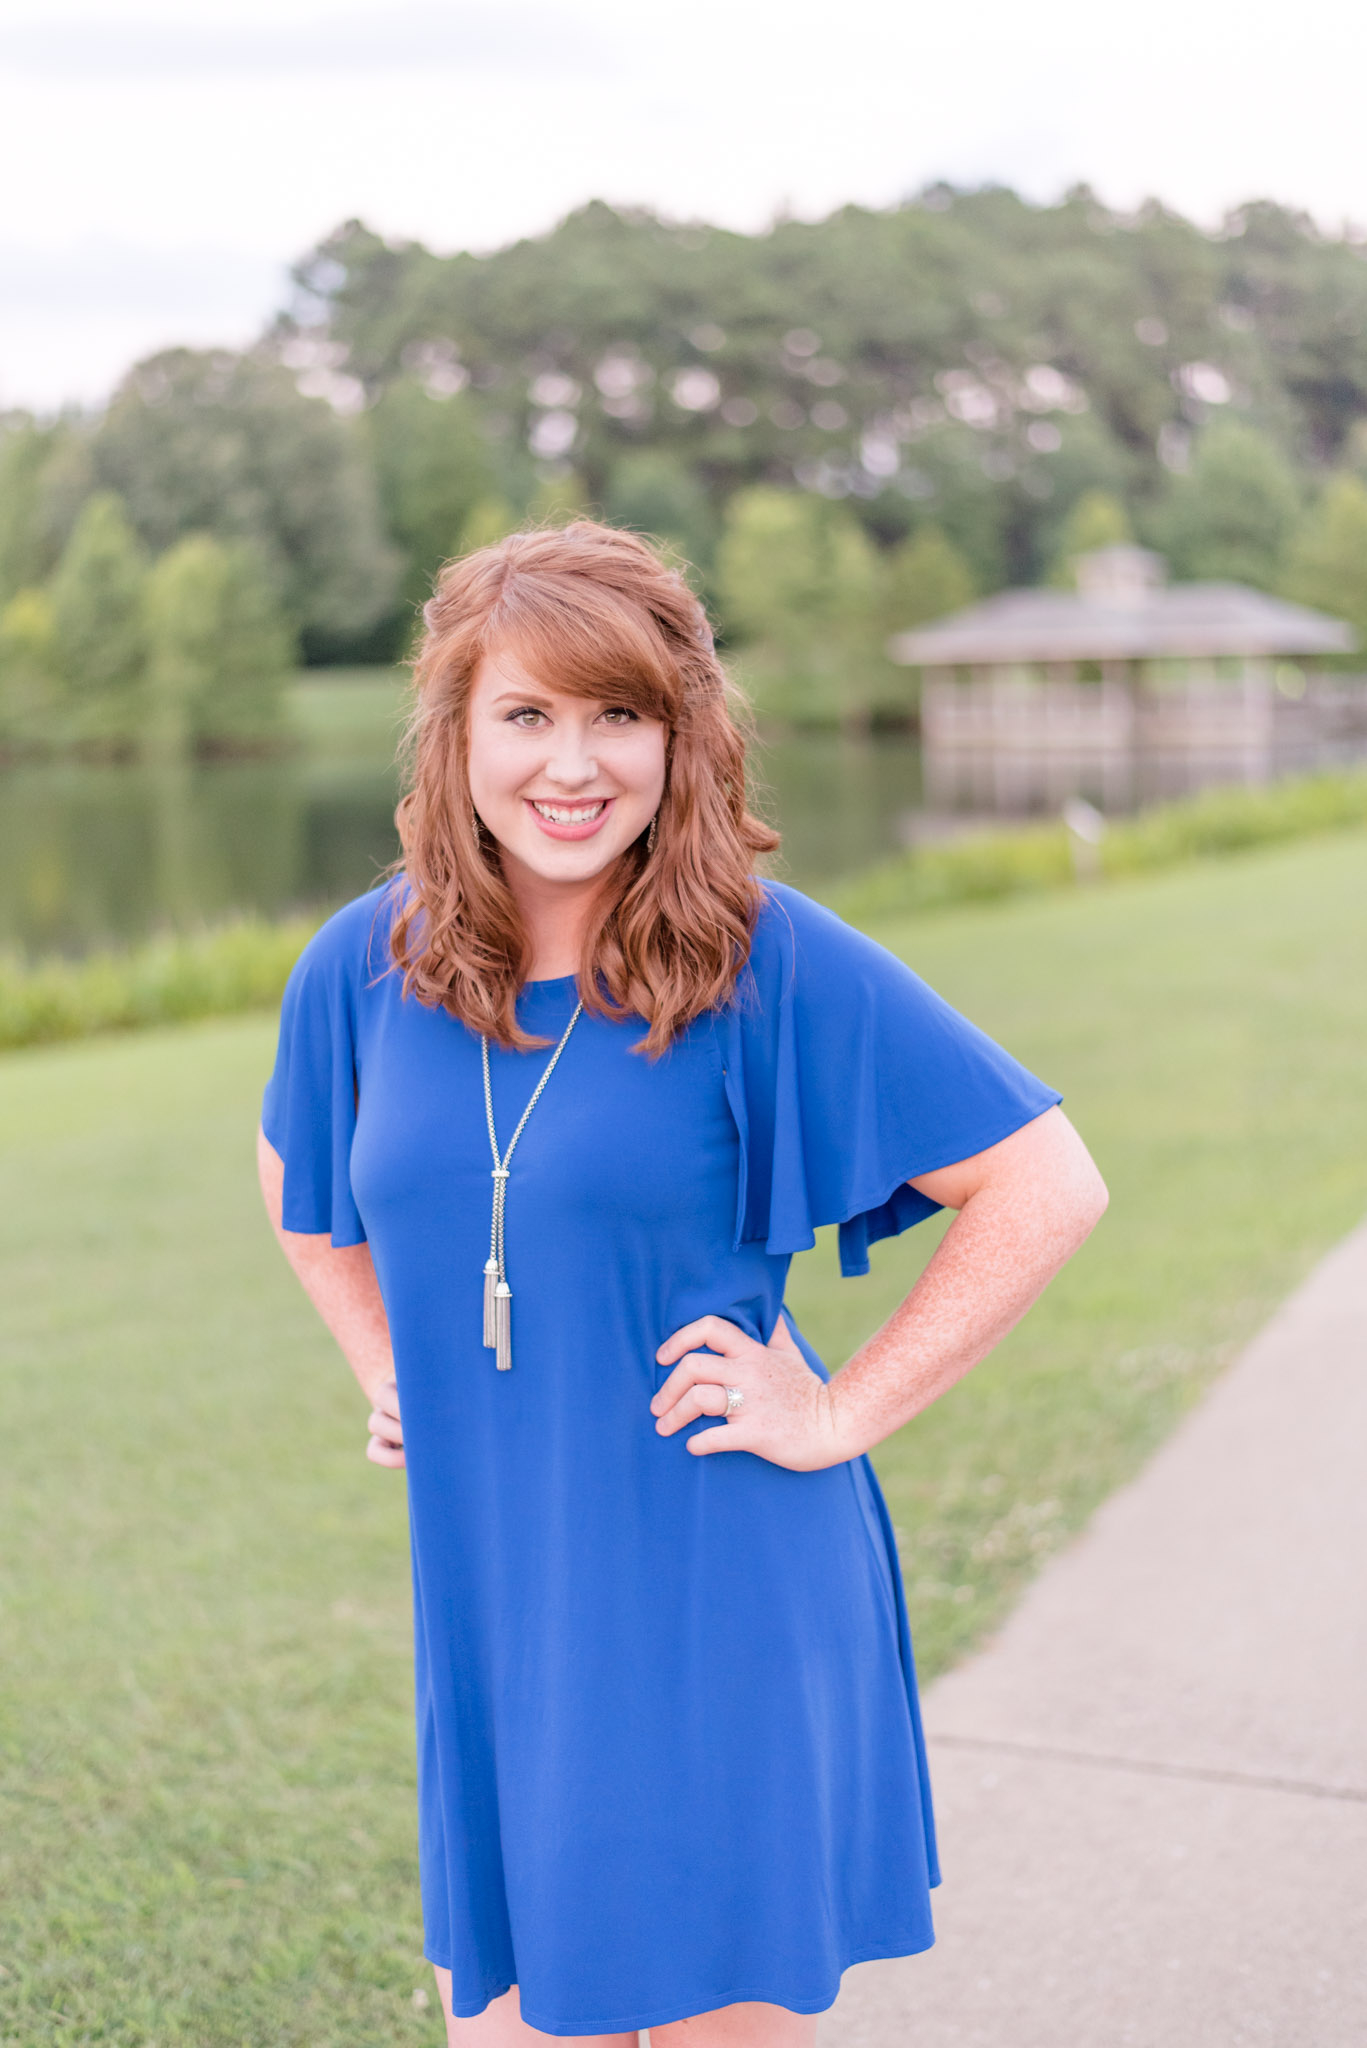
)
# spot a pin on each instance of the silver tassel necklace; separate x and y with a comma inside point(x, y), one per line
point(498, 1295)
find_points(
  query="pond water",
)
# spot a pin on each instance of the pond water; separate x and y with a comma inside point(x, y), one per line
point(90, 855)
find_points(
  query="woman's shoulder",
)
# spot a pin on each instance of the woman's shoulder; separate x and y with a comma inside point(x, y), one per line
point(353, 944)
point(796, 935)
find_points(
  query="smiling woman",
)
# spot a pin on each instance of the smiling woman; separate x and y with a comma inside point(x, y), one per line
point(670, 1762)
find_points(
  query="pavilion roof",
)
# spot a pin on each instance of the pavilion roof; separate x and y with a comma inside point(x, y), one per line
point(1180, 620)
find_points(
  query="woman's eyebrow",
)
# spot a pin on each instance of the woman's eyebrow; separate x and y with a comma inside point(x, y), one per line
point(533, 695)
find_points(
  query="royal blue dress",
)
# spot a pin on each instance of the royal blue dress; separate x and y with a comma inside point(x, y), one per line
point(669, 1751)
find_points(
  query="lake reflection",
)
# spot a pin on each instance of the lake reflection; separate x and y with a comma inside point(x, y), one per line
point(89, 855)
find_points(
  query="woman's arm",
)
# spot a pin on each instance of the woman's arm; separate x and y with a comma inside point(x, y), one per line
point(1024, 1206)
point(341, 1284)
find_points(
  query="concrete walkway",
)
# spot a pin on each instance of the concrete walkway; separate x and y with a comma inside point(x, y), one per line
point(1152, 1787)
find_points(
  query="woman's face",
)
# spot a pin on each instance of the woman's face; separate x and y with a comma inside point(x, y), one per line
point(564, 784)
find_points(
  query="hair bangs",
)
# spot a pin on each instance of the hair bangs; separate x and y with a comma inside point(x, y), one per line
point(589, 642)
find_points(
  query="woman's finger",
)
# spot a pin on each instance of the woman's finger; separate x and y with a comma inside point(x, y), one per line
point(732, 1438)
point(697, 1366)
point(387, 1428)
point(389, 1455)
point(706, 1398)
point(720, 1336)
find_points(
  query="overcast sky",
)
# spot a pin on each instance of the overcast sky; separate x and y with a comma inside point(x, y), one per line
point(162, 161)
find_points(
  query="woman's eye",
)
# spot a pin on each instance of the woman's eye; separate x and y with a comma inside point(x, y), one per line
point(527, 716)
point(619, 714)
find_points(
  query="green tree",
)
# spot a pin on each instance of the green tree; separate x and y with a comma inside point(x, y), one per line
point(244, 709)
point(925, 578)
point(432, 465)
point(491, 520)
point(98, 610)
point(24, 449)
point(654, 493)
point(1230, 517)
point(207, 441)
point(219, 651)
point(798, 582)
point(1327, 561)
point(1097, 520)
point(30, 688)
point(45, 478)
point(184, 602)
point(556, 499)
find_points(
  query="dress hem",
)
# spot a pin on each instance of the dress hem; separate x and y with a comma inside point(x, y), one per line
point(714, 2002)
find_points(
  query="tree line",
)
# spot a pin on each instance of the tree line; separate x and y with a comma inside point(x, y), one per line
point(846, 427)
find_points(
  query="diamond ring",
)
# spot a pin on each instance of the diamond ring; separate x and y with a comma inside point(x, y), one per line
point(734, 1399)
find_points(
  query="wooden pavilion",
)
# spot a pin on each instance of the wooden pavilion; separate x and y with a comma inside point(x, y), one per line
point(1126, 687)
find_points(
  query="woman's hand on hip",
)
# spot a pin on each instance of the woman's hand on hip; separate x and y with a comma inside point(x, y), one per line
point(386, 1429)
point(786, 1412)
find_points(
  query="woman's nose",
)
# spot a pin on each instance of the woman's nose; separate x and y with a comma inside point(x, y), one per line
point(572, 763)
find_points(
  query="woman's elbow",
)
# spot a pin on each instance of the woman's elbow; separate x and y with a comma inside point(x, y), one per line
point(1091, 1198)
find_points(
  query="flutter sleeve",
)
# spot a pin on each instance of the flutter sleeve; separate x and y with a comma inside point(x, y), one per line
point(308, 1112)
point(848, 1077)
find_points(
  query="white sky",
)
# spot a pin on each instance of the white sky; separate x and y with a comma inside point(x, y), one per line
point(162, 161)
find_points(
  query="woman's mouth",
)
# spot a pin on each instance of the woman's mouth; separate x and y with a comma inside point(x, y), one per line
point(570, 821)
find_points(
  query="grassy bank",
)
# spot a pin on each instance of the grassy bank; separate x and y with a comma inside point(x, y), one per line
point(207, 1750)
point(983, 866)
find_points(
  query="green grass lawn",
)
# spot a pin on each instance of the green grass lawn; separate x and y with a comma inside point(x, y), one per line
point(207, 1835)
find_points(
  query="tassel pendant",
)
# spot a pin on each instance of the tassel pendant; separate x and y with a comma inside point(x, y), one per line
point(490, 1277)
point(498, 1295)
point(503, 1326)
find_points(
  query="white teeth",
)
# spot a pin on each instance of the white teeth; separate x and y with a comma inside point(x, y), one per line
point(563, 814)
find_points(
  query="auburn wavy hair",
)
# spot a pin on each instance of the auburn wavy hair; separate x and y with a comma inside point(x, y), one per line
point(593, 612)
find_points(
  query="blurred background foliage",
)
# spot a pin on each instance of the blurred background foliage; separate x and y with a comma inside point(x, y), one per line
point(847, 426)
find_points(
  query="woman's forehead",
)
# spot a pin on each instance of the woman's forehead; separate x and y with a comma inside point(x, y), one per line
point(508, 671)
point(502, 669)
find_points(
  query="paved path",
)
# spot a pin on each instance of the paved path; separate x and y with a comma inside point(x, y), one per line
point(1152, 1786)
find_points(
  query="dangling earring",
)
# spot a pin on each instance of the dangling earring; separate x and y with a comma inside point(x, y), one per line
point(651, 835)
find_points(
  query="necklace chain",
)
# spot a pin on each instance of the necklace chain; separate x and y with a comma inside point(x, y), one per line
point(498, 1295)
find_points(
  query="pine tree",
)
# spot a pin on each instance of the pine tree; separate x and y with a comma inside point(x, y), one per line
point(244, 711)
point(98, 609)
point(30, 688)
point(219, 652)
point(184, 626)
point(27, 547)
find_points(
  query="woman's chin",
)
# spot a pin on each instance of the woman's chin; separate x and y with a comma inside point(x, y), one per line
point(568, 860)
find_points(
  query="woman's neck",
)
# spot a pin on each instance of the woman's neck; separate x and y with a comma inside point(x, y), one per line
point(557, 917)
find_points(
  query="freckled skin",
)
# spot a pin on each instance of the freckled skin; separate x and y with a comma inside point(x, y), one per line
point(1023, 1208)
